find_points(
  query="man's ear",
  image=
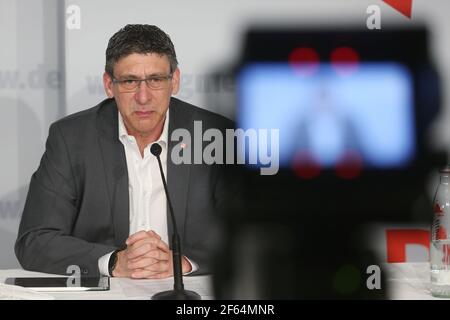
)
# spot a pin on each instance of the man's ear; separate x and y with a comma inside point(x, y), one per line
point(108, 85)
point(176, 81)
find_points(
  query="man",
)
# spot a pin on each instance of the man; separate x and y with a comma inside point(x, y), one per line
point(97, 199)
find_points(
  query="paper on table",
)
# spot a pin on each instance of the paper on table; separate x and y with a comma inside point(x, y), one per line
point(147, 288)
point(11, 292)
point(408, 280)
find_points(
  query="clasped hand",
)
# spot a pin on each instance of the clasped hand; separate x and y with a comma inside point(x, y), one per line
point(147, 257)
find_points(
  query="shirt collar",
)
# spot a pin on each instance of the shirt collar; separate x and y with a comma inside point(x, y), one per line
point(123, 134)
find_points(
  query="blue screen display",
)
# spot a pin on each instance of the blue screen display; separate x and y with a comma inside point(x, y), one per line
point(327, 113)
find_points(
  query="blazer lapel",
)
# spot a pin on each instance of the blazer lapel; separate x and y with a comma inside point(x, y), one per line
point(177, 175)
point(116, 173)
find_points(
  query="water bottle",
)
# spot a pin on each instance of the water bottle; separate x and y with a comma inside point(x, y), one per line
point(440, 238)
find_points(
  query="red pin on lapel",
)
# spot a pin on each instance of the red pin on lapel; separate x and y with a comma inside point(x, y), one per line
point(402, 6)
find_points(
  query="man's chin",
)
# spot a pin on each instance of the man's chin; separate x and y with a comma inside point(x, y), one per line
point(146, 129)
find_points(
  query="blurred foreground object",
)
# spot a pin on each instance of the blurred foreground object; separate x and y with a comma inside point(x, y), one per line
point(353, 109)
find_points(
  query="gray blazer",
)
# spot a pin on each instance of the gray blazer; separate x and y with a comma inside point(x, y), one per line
point(77, 208)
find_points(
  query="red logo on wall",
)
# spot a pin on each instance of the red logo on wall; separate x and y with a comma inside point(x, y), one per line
point(397, 239)
point(402, 6)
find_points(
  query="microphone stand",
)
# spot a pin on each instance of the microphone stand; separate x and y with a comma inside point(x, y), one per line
point(178, 292)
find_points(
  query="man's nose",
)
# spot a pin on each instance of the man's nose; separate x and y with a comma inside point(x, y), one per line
point(143, 93)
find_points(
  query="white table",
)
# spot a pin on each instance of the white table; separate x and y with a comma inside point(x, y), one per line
point(122, 288)
point(404, 281)
point(408, 281)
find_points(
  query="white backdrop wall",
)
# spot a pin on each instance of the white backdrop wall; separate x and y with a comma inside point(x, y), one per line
point(38, 52)
point(30, 88)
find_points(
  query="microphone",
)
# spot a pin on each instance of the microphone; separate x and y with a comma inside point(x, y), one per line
point(178, 292)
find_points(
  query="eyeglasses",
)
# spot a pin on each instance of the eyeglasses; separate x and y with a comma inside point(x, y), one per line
point(153, 82)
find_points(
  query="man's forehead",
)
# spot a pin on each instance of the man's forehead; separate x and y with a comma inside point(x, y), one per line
point(139, 64)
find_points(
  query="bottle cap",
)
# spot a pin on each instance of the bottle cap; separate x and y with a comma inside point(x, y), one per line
point(445, 169)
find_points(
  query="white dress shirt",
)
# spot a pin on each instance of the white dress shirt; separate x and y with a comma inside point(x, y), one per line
point(148, 209)
point(148, 204)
